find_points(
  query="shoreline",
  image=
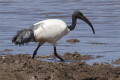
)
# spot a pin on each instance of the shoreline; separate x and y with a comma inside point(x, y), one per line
point(22, 67)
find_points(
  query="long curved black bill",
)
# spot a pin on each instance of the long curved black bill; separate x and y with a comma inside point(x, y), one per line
point(88, 22)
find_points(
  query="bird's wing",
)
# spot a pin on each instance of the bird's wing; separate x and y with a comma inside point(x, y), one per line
point(37, 25)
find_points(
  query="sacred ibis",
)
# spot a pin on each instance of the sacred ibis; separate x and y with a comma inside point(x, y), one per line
point(50, 30)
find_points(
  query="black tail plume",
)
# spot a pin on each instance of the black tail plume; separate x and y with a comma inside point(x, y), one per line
point(23, 36)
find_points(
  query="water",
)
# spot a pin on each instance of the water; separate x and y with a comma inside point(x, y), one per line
point(104, 15)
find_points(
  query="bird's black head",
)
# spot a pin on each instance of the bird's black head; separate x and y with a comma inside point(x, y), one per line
point(78, 14)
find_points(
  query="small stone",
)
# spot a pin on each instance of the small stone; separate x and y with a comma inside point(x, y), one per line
point(34, 78)
point(3, 57)
point(8, 50)
point(73, 41)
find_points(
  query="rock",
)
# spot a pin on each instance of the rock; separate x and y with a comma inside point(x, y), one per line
point(73, 41)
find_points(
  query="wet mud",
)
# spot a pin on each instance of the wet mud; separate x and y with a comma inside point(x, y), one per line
point(72, 56)
point(73, 41)
point(22, 67)
point(117, 61)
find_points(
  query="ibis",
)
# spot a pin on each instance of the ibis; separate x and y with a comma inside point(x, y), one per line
point(49, 30)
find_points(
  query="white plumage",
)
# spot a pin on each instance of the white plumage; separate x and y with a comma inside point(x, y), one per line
point(50, 30)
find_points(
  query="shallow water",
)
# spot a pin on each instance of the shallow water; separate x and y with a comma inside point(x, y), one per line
point(104, 15)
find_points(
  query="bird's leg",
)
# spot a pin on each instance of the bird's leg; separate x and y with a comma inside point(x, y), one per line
point(35, 52)
point(55, 53)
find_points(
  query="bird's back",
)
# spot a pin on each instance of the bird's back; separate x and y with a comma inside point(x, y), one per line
point(50, 30)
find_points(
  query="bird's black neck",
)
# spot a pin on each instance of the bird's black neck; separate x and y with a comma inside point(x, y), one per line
point(74, 21)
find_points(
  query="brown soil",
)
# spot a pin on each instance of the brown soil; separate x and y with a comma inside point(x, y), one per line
point(73, 41)
point(22, 67)
point(8, 50)
point(5, 50)
point(117, 61)
point(73, 56)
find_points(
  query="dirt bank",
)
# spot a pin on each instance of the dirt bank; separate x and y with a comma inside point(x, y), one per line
point(22, 67)
point(117, 61)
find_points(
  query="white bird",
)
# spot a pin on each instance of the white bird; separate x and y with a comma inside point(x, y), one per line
point(50, 30)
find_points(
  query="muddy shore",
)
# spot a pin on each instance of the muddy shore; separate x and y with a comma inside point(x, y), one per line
point(22, 67)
